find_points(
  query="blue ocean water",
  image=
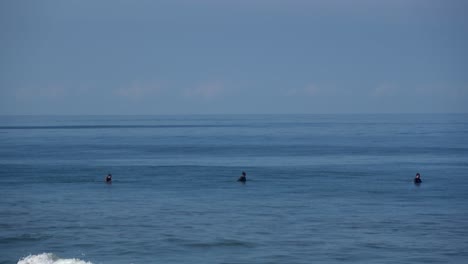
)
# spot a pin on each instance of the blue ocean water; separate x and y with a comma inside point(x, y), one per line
point(320, 189)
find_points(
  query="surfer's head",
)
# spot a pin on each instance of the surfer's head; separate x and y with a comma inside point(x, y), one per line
point(418, 175)
point(243, 173)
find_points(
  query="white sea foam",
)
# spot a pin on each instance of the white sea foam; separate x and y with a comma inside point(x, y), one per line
point(49, 258)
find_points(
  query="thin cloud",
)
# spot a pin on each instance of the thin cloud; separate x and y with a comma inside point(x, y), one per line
point(385, 89)
point(206, 91)
point(441, 90)
point(137, 91)
point(311, 90)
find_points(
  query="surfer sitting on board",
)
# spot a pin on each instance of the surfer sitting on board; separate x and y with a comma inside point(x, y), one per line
point(242, 178)
point(109, 178)
point(417, 179)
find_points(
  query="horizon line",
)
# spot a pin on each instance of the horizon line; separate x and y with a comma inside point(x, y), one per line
point(241, 114)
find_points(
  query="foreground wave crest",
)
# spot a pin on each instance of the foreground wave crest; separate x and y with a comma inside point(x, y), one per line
point(49, 258)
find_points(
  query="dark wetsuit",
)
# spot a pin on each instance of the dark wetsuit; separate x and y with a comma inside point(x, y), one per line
point(108, 178)
point(242, 179)
point(417, 180)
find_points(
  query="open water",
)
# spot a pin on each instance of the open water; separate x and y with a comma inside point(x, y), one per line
point(320, 189)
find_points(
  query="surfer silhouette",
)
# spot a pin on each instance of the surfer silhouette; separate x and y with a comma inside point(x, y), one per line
point(243, 177)
point(417, 179)
point(109, 178)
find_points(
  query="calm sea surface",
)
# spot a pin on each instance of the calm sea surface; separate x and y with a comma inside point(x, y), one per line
point(320, 189)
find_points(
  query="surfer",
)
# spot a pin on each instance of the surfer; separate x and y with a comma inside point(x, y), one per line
point(109, 178)
point(417, 179)
point(242, 178)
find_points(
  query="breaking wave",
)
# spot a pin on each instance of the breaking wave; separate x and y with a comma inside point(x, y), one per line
point(49, 258)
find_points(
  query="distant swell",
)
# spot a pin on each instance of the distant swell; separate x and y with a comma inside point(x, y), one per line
point(49, 258)
point(221, 243)
point(110, 126)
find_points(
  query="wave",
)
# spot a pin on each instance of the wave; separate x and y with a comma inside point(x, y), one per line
point(115, 126)
point(221, 243)
point(49, 258)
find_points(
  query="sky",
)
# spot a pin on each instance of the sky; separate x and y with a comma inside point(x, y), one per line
point(80, 57)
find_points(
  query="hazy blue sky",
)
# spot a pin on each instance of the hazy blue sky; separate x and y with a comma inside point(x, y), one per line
point(207, 56)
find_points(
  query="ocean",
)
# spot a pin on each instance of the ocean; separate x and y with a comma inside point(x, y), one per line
point(320, 189)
